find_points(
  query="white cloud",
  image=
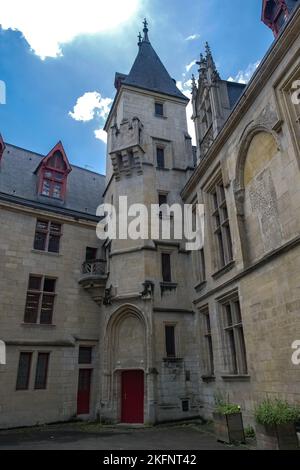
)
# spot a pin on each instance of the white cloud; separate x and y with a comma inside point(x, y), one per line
point(244, 76)
point(48, 24)
point(185, 88)
point(193, 37)
point(191, 65)
point(101, 135)
point(92, 106)
point(89, 106)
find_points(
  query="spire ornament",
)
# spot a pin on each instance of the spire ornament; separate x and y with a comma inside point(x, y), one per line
point(194, 86)
point(211, 63)
point(140, 39)
point(145, 31)
point(202, 67)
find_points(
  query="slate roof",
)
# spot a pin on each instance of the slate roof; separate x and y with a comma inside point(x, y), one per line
point(149, 73)
point(235, 91)
point(17, 179)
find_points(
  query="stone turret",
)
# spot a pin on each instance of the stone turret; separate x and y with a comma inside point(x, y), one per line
point(213, 100)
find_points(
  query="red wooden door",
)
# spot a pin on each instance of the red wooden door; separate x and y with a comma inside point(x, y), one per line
point(84, 391)
point(133, 397)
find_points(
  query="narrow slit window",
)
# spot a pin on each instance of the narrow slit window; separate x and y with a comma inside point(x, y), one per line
point(170, 341)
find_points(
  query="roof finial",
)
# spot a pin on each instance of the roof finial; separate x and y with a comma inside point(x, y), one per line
point(211, 63)
point(140, 39)
point(207, 49)
point(146, 30)
point(194, 85)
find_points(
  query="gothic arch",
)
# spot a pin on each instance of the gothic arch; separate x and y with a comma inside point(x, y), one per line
point(245, 142)
point(251, 164)
point(127, 311)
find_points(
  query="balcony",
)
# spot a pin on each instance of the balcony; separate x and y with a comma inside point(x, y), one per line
point(93, 279)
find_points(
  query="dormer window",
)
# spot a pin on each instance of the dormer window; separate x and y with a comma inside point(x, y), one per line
point(275, 14)
point(53, 172)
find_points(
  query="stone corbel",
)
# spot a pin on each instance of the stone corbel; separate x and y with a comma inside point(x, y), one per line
point(115, 165)
point(148, 290)
point(137, 161)
point(126, 162)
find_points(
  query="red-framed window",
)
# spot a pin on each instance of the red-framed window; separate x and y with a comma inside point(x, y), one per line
point(275, 13)
point(53, 172)
point(40, 300)
point(47, 236)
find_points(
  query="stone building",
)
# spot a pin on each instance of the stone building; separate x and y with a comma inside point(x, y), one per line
point(145, 331)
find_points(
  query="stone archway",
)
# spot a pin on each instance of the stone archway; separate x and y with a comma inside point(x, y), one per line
point(126, 348)
point(255, 193)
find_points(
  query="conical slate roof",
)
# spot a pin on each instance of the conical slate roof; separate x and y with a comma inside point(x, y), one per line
point(149, 73)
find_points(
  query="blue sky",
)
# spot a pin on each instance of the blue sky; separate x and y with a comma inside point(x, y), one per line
point(44, 77)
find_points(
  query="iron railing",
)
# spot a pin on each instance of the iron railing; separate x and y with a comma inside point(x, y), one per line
point(94, 268)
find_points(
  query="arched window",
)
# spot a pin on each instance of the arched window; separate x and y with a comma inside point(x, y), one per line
point(53, 172)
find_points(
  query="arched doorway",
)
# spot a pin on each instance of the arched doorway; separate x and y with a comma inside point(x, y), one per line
point(125, 390)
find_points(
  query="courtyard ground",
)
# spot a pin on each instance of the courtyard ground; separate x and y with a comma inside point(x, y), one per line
point(79, 436)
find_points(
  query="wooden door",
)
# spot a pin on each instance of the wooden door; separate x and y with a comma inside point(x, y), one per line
point(133, 397)
point(84, 391)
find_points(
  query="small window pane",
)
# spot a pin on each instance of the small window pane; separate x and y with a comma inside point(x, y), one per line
point(159, 109)
point(228, 315)
point(166, 267)
point(40, 241)
point(170, 341)
point(47, 309)
point(34, 283)
point(85, 355)
point(54, 242)
point(31, 308)
point(238, 314)
point(49, 285)
point(46, 188)
point(90, 254)
point(162, 199)
point(41, 371)
point(57, 191)
point(24, 371)
point(42, 225)
point(160, 157)
point(55, 228)
point(185, 405)
point(58, 176)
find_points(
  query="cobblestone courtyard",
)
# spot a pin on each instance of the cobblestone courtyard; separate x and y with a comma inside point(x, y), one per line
point(93, 437)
